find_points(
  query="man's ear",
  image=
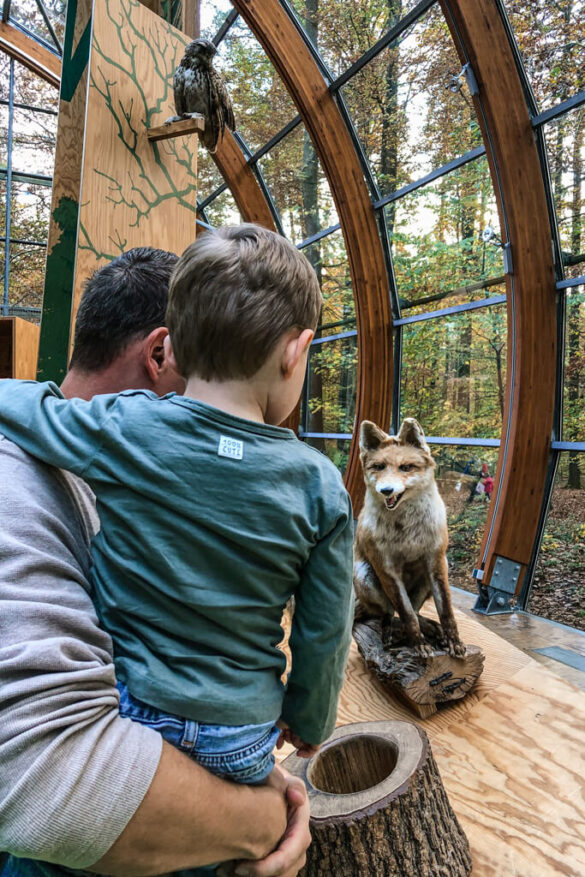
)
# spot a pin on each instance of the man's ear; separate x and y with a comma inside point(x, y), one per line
point(295, 347)
point(153, 353)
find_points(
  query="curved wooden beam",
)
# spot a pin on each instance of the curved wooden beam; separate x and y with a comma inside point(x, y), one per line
point(234, 168)
point(512, 526)
point(30, 54)
point(291, 57)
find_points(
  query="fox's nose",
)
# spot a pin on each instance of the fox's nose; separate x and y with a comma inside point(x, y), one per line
point(387, 491)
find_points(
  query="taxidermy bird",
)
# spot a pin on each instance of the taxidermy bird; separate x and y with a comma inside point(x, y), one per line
point(200, 89)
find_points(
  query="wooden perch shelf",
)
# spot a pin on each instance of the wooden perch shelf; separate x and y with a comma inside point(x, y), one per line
point(194, 125)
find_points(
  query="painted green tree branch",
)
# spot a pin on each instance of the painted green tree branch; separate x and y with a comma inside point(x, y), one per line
point(136, 190)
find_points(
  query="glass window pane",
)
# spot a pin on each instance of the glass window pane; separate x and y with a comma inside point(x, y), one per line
point(33, 148)
point(223, 211)
point(331, 386)
point(208, 177)
point(3, 136)
point(298, 186)
point(31, 205)
point(329, 258)
point(565, 142)
point(558, 591)
point(343, 31)
point(445, 236)
point(262, 105)
point(4, 76)
point(336, 449)
point(411, 111)
point(550, 39)
point(212, 16)
point(574, 378)
point(27, 276)
point(458, 473)
point(454, 373)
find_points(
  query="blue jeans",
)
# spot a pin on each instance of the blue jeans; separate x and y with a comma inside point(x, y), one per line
point(242, 753)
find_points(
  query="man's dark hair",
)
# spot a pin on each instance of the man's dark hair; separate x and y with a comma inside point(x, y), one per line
point(121, 303)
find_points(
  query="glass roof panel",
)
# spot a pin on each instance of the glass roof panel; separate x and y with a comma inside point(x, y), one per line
point(412, 111)
point(33, 91)
point(454, 373)
point(28, 14)
point(565, 142)
point(445, 236)
point(262, 105)
point(298, 186)
point(343, 31)
point(551, 39)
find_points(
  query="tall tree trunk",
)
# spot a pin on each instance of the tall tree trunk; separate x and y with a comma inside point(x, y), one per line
point(311, 224)
point(390, 133)
point(574, 371)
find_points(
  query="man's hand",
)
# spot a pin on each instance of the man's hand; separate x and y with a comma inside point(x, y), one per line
point(289, 856)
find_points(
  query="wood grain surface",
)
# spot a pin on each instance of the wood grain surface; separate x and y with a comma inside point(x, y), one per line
point(511, 756)
point(134, 193)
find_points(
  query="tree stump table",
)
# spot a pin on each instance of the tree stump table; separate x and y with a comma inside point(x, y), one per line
point(378, 806)
point(421, 683)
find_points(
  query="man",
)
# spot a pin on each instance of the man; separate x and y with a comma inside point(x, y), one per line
point(80, 786)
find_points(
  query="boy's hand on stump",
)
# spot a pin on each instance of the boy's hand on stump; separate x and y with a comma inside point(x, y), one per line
point(304, 750)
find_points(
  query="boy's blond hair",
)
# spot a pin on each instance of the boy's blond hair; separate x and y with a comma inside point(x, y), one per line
point(234, 292)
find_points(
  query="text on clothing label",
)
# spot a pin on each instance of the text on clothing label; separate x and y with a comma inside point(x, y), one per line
point(230, 447)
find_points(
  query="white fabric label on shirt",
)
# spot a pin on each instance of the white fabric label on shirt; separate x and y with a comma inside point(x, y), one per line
point(230, 447)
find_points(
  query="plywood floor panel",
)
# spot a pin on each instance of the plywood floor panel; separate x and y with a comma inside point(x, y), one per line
point(511, 755)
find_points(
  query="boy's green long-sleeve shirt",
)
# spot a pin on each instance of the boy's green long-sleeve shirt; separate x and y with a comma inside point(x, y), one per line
point(209, 523)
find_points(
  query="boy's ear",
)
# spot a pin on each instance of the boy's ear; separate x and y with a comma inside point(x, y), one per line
point(169, 353)
point(294, 350)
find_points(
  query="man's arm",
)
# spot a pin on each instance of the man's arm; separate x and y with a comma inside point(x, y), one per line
point(321, 631)
point(190, 818)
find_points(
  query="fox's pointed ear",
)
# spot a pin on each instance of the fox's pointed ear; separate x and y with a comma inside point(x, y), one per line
point(411, 434)
point(371, 436)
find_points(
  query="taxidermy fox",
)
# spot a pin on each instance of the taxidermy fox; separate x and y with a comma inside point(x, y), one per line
point(401, 536)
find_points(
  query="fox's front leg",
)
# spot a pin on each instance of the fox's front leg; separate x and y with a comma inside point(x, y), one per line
point(393, 586)
point(439, 579)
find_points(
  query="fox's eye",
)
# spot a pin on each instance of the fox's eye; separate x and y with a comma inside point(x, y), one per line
point(378, 466)
point(406, 467)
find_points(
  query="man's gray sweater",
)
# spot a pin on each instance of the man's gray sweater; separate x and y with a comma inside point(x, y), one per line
point(72, 772)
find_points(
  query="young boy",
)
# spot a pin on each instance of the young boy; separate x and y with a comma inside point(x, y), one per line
point(212, 515)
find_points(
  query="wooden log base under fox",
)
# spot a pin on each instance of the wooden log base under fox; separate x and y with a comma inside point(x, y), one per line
point(421, 683)
point(378, 806)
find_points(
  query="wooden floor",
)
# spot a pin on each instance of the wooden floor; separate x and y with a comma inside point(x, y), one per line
point(531, 633)
point(512, 756)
